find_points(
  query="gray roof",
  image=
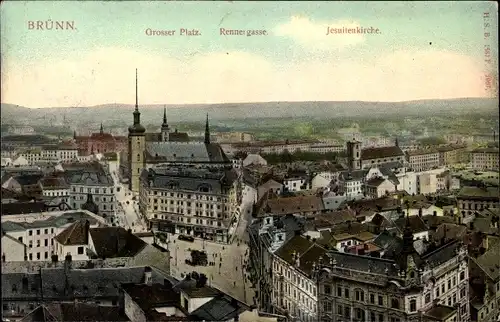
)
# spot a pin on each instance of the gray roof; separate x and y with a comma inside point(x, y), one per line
point(82, 283)
point(190, 179)
point(103, 282)
point(89, 177)
point(353, 175)
point(364, 263)
point(220, 308)
point(21, 286)
point(53, 221)
point(185, 152)
point(12, 226)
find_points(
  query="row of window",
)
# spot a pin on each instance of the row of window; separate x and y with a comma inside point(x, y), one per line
point(360, 296)
point(296, 279)
point(92, 190)
point(297, 295)
point(103, 206)
point(38, 242)
point(344, 311)
point(187, 196)
point(38, 232)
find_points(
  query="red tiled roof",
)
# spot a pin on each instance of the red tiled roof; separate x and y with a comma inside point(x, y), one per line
point(381, 152)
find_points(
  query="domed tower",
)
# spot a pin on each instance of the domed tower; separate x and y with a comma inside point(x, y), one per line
point(136, 145)
point(165, 130)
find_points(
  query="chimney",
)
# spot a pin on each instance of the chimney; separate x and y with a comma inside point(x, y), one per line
point(297, 260)
point(148, 276)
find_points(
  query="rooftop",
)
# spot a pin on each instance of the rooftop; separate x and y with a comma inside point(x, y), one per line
point(440, 312)
point(52, 221)
point(381, 152)
point(470, 192)
point(76, 311)
point(292, 205)
point(307, 251)
point(190, 179)
point(182, 152)
point(112, 242)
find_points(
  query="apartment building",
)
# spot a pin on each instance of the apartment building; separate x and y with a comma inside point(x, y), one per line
point(291, 146)
point(485, 159)
point(452, 154)
point(423, 160)
point(432, 286)
point(471, 199)
point(55, 187)
point(51, 153)
point(294, 286)
point(94, 179)
point(37, 232)
point(200, 202)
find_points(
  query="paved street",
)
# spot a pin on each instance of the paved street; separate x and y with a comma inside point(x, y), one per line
point(127, 214)
point(228, 273)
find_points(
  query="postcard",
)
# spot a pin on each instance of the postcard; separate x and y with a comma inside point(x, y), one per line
point(241, 141)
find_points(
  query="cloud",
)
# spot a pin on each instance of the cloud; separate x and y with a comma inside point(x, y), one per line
point(313, 35)
point(108, 76)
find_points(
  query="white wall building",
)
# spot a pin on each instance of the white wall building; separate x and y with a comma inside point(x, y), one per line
point(37, 231)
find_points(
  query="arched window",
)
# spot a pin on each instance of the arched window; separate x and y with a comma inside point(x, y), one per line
point(427, 298)
point(394, 303)
point(138, 157)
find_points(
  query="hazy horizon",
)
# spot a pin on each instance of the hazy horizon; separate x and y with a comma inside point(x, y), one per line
point(146, 105)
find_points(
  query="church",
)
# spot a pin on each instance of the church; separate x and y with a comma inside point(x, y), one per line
point(101, 142)
point(146, 150)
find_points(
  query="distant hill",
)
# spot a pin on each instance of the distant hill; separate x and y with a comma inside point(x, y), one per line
point(240, 111)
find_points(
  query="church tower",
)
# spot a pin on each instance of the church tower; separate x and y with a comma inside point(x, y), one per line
point(207, 132)
point(136, 145)
point(165, 130)
point(354, 154)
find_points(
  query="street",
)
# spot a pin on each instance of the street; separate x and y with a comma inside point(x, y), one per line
point(127, 213)
point(227, 269)
point(228, 272)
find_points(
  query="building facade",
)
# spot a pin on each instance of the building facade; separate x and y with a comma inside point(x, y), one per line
point(472, 199)
point(485, 159)
point(410, 288)
point(423, 160)
point(202, 203)
point(37, 232)
point(100, 142)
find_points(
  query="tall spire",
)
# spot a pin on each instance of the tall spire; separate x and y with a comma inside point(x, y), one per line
point(207, 132)
point(136, 93)
point(165, 117)
point(137, 114)
point(102, 129)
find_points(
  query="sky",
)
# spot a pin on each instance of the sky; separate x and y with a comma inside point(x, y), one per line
point(423, 50)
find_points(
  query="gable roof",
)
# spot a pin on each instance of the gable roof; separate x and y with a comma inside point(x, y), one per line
point(490, 263)
point(182, 152)
point(307, 251)
point(115, 242)
point(76, 234)
point(381, 152)
point(291, 205)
